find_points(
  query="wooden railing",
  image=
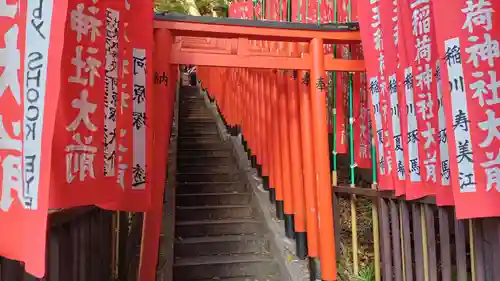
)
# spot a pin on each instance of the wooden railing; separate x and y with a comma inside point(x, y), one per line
point(396, 239)
point(85, 244)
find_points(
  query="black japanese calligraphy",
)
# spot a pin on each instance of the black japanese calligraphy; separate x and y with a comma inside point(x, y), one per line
point(408, 82)
point(139, 93)
point(464, 152)
point(139, 120)
point(320, 84)
point(457, 84)
point(461, 121)
point(306, 79)
point(161, 79)
point(414, 166)
point(139, 175)
point(452, 55)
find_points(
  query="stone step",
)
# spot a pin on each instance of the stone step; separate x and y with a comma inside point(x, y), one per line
point(207, 177)
point(219, 236)
point(247, 278)
point(200, 165)
point(210, 187)
point(207, 160)
point(206, 134)
point(191, 169)
point(205, 153)
point(196, 123)
point(220, 212)
point(201, 145)
point(221, 245)
point(217, 227)
point(222, 267)
point(200, 139)
point(211, 199)
point(186, 129)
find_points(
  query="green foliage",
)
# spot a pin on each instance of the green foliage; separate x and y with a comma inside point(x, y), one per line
point(205, 7)
point(172, 6)
point(366, 273)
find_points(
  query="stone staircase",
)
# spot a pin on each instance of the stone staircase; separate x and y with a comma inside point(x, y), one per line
point(219, 234)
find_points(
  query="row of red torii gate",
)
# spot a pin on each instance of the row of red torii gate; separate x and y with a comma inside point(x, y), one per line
point(83, 117)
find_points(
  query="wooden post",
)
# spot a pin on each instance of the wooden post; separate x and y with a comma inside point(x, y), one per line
point(153, 218)
point(322, 162)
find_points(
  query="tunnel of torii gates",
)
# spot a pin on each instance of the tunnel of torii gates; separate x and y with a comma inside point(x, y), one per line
point(243, 64)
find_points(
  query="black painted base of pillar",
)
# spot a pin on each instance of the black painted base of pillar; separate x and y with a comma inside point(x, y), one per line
point(233, 130)
point(253, 161)
point(280, 210)
point(265, 183)
point(301, 245)
point(249, 153)
point(272, 195)
point(314, 269)
point(237, 130)
point(289, 226)
point(244, 143)
point(259, 169)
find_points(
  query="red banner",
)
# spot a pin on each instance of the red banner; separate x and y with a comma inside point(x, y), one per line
point(78, 140)
point(312, 11)
point(468, 41)
point(133, 91)
point(371, 34)
point(105, 144)
point(241, 10)
point(31, 40)
point(341, 94)
point(361, 108)
point(391, 111)
point(423, 124)
point(303, 11)
point(258, 11)
point(361, 114)
point(296, 5)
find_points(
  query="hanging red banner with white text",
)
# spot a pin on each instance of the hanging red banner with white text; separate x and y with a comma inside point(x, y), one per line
point(423, 123)
point(468, 43)
point(241, 10)
point(31, 40)
point(361, 108)
point(128, 80)
point(104, 145)
point(371, 34)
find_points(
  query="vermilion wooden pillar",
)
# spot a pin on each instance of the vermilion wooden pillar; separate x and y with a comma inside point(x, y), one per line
point(296, 159)
point(270, 134)
point(275, 138)
point(262, 126)
point(318, 87)
point(266, 171)
point(285, 155)
point(153, 218)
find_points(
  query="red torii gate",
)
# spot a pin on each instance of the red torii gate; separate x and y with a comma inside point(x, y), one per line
point(215, 42)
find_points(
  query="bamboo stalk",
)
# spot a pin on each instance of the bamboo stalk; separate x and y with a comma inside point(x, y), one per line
point(376, 237)
point(115, 244)
point(352, 199)
point(401, 234)
point(424, 243)
point(334, 103)
point(472, 246)
point(376, 240)
point(281, 10)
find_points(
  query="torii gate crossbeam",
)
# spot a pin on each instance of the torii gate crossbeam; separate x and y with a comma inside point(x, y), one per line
point(243, 32)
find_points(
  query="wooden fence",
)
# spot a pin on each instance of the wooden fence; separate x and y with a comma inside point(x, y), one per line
point(412, 240)
point(86, 244)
